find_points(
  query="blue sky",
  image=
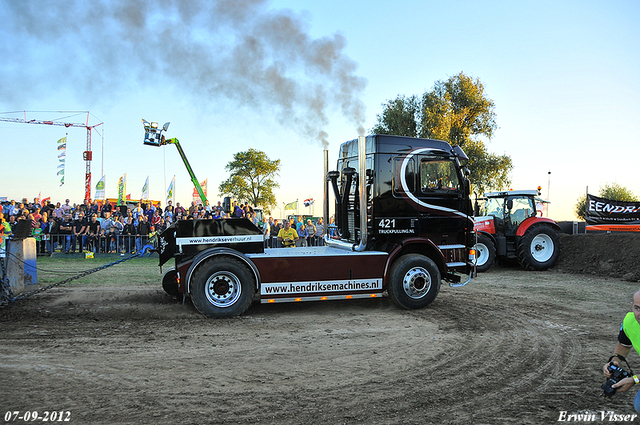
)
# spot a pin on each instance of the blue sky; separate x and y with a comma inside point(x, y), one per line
point(563, 76)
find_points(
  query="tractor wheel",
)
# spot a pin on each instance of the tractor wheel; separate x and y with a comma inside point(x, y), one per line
point(222, 287)
point(170, 283)
point(485, 253)
point(539, 248)
point(414, 281)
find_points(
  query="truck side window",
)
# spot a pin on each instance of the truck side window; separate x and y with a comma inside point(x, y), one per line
point(409, 176)
point(438, 175)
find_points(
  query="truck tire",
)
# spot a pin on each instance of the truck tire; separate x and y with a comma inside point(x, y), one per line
point(222, 287)
point(539, 248)
point(414, 281)
point(485, 253)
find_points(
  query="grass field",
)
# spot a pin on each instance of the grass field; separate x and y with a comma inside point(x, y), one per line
point(135, 272)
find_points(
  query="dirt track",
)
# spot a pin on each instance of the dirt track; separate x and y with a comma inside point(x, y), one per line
point(512, 347)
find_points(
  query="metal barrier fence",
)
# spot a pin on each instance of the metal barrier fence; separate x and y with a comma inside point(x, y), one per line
point(103, 244)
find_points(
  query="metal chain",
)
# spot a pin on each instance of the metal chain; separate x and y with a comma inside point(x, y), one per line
point(10, 298)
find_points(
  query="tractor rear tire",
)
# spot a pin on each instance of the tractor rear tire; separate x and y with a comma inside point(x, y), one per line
point(539, 248)
point(414, 281)
point(485, 253)
point(222, 287)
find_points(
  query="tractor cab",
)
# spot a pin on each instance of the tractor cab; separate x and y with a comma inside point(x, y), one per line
point(510, 209)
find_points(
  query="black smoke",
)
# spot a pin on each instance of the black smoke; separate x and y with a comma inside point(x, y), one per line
point(242, 50)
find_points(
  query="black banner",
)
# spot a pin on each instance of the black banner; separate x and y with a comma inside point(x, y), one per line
point(606, 211)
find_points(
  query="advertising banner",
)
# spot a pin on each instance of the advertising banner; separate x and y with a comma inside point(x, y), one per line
point(122, 189)
point(606, 212)
point(100, 189)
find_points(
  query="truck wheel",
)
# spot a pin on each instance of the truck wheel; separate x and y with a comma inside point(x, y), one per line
point(414, 281)
point(485, 253)
point(170, 283)
point(222, 287)
point(539, 248)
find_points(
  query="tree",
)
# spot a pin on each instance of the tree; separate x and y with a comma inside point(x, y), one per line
point(252, 178)
point(399, 117)
point(456, 111)
point(612, 191)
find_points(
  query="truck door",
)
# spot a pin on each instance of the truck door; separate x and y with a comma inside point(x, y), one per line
point(441, 188)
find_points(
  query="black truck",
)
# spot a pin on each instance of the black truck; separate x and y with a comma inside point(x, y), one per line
point(404, 222)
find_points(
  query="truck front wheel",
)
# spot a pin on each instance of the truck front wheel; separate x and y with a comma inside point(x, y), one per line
point(222, 287)
point(539, 248)
point(414, 281)
point(485, 253)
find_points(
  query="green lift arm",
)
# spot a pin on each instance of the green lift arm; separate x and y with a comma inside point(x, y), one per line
point(153, 137)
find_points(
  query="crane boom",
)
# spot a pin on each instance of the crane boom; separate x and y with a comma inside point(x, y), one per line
point(86, 155)
point(153, 137)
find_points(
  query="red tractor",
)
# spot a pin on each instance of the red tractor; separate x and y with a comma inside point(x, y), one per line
point(509, 228)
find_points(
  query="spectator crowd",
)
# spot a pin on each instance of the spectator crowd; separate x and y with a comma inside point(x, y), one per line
point(102, 227)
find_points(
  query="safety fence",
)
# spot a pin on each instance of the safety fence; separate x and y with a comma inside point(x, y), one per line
point(98, 244)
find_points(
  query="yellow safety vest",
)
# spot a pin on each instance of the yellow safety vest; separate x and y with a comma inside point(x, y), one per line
point(631, 329)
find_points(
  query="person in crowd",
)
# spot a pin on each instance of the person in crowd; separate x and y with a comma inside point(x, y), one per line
point(47, 209)
point(320, 232)
point(179, 211)
point(295, 223)
point(156, 218)
point(3, 232)
point(36, 232)
point(78, 231)
point(274, 229)
point(218, 208)
point(66, 207)
point(129, 235)
point(149, 212)
point(113, 237)
point(193, 208)
point(142, 233)
point(168, 214)
point(137, 213)
point(105, 231)
point(238, 212)
point(66, 226)
point(311, 230)
point(92, 236)
point(332, 230)
point(287, 236)
point(52, 231)
point(94, 208)
point(58, 212)
point(266, 232)
point(36, 214)
point(303, 236)
point(106, 208)
point(13, 208)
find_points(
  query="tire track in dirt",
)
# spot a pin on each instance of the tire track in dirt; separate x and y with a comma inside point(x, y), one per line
point(474, 356)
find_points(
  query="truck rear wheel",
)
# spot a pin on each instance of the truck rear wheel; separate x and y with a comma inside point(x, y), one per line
point(485, 253)
point(414, 281)
point(222, 287)
point(539, 248)
point(170, 283)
